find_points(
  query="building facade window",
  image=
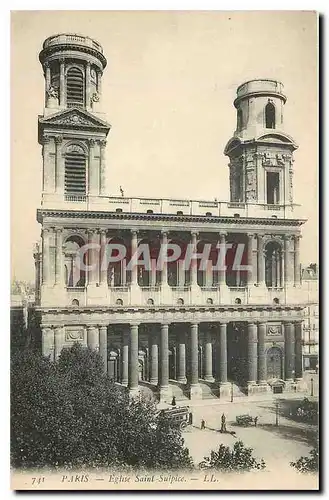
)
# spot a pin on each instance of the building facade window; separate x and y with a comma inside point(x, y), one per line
point(75, 170)
point(75, 88)
point(270, 115)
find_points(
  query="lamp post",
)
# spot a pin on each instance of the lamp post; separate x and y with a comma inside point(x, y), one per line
point(312, 387)
point(231, 392)
point(277, 413)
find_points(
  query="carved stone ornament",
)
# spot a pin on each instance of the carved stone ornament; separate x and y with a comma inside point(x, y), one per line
point(273, 330)
point(73, 119)
point(52, 92)
point(74, 335)
point(251, 185)
point(75, 148)
point(95, 97)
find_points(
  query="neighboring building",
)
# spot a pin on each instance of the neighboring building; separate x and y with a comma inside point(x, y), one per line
point(183, 331)
point(21, 312)
point(310, 284)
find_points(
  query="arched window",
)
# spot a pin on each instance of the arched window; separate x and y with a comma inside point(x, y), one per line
point(180, 302)
point(75, 170)
point(150, 302)
point(210, 301)
point(75, 276)
point(119, 302)
point(75, 303)
point(270, 115)
point(74, 88)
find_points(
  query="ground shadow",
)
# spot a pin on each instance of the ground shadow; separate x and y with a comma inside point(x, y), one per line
point(303, 435)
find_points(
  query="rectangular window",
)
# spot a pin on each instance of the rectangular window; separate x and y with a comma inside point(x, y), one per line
point(273, 188)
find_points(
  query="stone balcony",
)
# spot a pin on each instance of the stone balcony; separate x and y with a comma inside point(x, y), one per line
point(72, 39)
point(181, 296)
point(169, 206)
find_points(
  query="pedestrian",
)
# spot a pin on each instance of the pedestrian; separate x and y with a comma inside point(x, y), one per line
point(203, 424)
point(190, 418)
point(255, 421)
point(173, 401)
point(223, 426)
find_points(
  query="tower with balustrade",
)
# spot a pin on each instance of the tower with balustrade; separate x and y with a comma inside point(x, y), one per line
point(192, 333)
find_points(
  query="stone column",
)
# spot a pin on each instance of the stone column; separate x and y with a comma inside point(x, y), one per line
point(99, 83)
point(181, 354)
point(154, 349)
point(93, 258)
point(164, 272)
point(91, 189)
point(208, 358)
point(59, 165)
point(59, 341)
point(289, 344)
point(195, 390)
point(47, 178)
point(194, 262)
point(62, 92)
point(48, 342)
point(298, 350)
point(103, 261)
point(133, 358)
point(252, 353)
point(222, 271)
point(287, 263)
point(297, 261)
point(250, 260)
point(262, 375)
point(103, 345)
point(88, 96)
point(45, 256)
point(93, 337)
point(261, 261)
point(47, 75)
point(125, 360)
point(102, 168)
point(59, 278)
point(134, 245)
point(222, 354)
point(164, 357)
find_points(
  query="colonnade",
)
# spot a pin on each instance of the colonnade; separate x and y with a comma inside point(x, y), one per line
point(256, 254)
point(187, 366)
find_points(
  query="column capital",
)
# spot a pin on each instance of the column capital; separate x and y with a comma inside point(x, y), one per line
point(47, 230)
point(194, 323)
point(222, 323)
point(134, 324)
point(88, 63)
point(134, 232)
point(62, 60)
point(58, 229)
point(251, 235)
point(222, 234)
point(102, 232)
point(92, 142)
point(165, 324)
point(102, 143)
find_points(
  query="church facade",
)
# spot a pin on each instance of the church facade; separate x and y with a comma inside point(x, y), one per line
point(186, 330)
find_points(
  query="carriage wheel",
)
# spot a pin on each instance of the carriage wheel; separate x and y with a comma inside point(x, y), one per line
point(183, 426)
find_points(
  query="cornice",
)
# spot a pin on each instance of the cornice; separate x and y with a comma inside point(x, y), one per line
point(76, 214)
point(174, 308)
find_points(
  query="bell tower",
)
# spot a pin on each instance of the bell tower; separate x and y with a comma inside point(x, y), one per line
point(72, 129)
point(260, 152)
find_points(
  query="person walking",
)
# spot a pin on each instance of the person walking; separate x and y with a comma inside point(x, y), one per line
point(203, 424)
point(255, 421)
point(173, 401)
point(223, 421)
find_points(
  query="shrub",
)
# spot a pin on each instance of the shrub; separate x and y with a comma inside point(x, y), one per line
point(238, 459)
point(69, 414)
point(309, 463)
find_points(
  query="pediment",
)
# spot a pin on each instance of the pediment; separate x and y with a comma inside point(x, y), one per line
point(278, 138)
point(74, 117)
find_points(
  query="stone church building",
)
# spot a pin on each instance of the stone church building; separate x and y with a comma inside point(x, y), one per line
point(194, 333)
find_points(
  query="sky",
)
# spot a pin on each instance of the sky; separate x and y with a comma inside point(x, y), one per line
point(168, 92)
